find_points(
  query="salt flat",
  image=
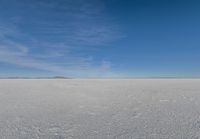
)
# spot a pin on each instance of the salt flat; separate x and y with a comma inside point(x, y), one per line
point(100, 109)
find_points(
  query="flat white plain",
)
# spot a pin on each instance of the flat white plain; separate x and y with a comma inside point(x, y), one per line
point(100, 109)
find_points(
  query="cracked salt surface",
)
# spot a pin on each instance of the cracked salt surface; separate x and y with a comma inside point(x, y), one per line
point(100, 109)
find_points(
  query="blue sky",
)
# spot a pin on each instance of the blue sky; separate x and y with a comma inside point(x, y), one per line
point(100, 38)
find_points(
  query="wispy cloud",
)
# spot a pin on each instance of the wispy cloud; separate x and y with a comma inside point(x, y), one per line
point(53, 33)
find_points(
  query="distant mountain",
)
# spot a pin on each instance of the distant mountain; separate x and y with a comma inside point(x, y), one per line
point(60, 77)
point(19, 77)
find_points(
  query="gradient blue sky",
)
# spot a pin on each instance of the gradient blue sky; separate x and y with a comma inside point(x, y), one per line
point(100, 38)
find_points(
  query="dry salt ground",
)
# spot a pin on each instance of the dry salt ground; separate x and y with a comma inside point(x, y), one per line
point(100, 109)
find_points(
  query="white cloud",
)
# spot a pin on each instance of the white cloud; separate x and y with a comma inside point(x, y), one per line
point(56, 45)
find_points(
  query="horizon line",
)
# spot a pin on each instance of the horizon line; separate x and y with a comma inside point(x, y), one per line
point(65, 77)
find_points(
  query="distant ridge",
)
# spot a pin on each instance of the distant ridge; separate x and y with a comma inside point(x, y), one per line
point(54, 77)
